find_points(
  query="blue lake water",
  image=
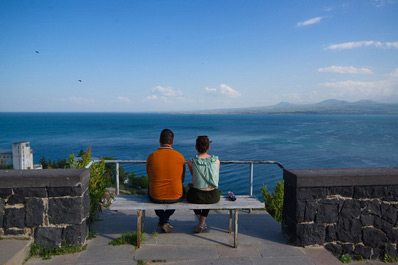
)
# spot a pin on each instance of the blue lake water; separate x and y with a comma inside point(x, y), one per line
point(296, 141)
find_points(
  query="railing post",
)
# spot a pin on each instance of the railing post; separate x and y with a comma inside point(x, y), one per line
point(117, 178)
point(251, 179)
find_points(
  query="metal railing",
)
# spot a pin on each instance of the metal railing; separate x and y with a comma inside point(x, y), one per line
point(251, 163)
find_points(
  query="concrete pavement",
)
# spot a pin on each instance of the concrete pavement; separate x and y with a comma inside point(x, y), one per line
point(260, 242)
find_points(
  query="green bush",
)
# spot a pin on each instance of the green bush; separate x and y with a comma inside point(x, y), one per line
point(274, 201)
point(99, 181)
point(47, 252)
point(345, 259)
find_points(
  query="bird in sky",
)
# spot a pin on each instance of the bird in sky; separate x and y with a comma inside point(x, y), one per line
point(79, 80)
point(37, 51)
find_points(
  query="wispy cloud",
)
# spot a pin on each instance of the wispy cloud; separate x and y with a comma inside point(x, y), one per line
point(345, 70)
point(224, 90)
point(123, 99)
point(362, 89)
point(81, 100)
point(393, 74)
point(359, 44)
point(163, 93)
point(309, 22)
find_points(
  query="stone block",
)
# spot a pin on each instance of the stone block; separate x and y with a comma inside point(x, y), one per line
point(76, 234)
point(65, 191)
point(347, 248)
point(389, 212)
point(65, 210)
point(349, 230)
point(5, 192)
point(351, 209)
point(86, 204)
point(48, 236)
point(367, 220)
point(364, 251)
point(371, 192)
point(391, 250)
point(15, 199)
point(14, 232)
point(34, 212)
point(327, 211)
point(310, 211)
point(300, 210)
point(392, 193)
point(335, 249)
point(371, 207)
point(14, 217)
point(31, 192)
point(331, 233)
point(374, 238)
point(312, 193)
point(310, 234)
point(342, 191)
point(2, 204)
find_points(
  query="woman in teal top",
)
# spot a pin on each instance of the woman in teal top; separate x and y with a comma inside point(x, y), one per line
point(205, 171)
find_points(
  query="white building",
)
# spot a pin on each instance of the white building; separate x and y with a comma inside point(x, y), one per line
point(5, 157)
point(22, 155)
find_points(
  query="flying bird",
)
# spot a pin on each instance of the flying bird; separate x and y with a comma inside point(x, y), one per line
point(37, 51)
point(79, 80)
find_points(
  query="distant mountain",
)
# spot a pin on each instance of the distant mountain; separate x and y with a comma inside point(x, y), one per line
point(330, 106)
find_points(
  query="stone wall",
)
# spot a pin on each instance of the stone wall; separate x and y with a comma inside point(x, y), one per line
point(51, 205)
point(349, 211)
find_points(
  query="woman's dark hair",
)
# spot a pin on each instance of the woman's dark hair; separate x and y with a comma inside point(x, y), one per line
point(202, 143)
point(166, 137)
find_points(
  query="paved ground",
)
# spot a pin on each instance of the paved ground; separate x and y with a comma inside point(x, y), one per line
point(260, 242)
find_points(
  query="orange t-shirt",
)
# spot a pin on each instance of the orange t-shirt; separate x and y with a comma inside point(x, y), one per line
point(165, 168)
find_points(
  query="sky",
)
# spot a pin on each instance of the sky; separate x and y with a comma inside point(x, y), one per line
point(184, 55)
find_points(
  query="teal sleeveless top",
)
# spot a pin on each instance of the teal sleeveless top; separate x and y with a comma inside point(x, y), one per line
point(210, 169)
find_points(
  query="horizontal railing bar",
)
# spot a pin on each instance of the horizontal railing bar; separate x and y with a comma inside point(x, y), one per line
point(222, 162)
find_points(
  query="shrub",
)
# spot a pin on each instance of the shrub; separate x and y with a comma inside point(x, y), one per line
point(274, 201)
point(99, 181)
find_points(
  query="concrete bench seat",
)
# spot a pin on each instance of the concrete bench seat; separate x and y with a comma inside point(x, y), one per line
point(140, 203)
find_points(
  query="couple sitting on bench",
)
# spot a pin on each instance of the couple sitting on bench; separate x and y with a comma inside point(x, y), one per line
point(166, 173)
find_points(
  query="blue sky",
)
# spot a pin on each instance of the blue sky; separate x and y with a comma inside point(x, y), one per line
point(175, 55)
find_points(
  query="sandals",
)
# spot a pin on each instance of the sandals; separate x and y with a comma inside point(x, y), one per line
point(199, 229)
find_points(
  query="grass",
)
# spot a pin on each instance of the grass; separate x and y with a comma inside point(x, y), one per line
point(91, 235)
point(345, 259)
point(47, 252)
point(129, 238)
point(388, 259)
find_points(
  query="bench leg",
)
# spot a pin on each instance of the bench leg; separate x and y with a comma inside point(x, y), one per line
point(236, 229)
point(230, 222)
point(143, 221)
point(139, 215)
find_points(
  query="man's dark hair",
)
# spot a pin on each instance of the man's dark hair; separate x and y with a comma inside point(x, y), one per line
point(166, 137)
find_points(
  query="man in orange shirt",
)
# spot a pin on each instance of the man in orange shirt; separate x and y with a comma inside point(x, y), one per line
point(166, 173)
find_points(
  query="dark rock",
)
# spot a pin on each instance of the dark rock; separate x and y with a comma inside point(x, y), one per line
point(392, 193)
point(14, 217)
point(327, 211)
point(310, 211)
point(312, 193)
point(391, 250)
point(335, 249)
point(86, 204)
point(2, 204)
point(310, 234)
point(64, 191)
point(370, 192)
point(300, 212)
point(15, 199)
point(48, 236)
point(349, 230)
point(31, 192)
point(5, 192)
point(377, 254)
point(65, 210)
point(374, 238)
point(76, 234)
point(351, 209)
point(371, 207)
point(342, 191)
point(331, 233)
point(389, 213)
point(364, 251)
point(14, 231)
point(34, 211)
point(367, 220)
point(347, 249)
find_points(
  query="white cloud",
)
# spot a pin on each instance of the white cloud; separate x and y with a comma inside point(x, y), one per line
point(163, 93)
point(309, 22)
point(81, 100)
point(224, 90)
point(359, 44)
point(345, 70)
point(123, 99)
point(393, 73)
point(362, 89)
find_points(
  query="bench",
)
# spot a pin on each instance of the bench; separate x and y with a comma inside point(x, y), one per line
point(140, 203)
